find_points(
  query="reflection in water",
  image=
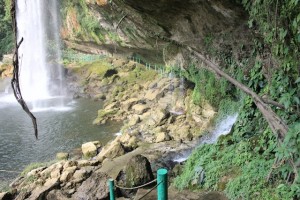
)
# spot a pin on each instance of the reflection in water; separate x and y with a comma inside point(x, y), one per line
point(59, 130)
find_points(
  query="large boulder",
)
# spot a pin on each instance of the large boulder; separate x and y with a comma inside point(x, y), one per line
point(138, 171)
point(93, 188)
point(89, 149)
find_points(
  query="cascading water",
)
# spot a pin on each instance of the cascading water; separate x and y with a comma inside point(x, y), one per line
point(222, 128)
point(40, 72)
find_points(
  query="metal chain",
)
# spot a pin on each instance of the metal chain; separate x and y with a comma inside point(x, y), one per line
point(124, 188)
point(150, 190)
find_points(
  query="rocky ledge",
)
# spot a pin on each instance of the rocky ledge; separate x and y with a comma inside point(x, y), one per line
point(159, 118)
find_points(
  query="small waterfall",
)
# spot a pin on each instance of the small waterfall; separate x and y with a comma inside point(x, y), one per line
point(41, 76)
point(222, 128)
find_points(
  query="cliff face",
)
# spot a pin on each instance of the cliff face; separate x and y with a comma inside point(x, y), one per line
point(151, 29)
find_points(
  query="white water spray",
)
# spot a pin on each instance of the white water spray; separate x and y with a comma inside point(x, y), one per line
point(40, 73)
point(222, 128)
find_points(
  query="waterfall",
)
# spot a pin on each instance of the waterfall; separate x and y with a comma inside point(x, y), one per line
point(222, 128)
point(41, 76)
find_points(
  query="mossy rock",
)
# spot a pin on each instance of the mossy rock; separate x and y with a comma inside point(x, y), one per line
point(103, 115)
point(138, 171)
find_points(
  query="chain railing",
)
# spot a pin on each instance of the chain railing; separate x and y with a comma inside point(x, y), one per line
point(162, 186)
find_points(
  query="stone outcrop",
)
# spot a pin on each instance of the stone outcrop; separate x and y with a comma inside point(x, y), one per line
point(62, 180)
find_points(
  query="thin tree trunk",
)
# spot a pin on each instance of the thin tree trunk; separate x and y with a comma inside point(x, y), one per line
point(15, 80)
point(276, 124)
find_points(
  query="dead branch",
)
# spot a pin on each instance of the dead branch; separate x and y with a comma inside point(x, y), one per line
point(15, 80)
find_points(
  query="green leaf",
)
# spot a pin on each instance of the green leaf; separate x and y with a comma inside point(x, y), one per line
point(298, 79)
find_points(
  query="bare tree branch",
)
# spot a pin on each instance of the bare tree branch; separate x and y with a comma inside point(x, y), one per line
point(15, 80)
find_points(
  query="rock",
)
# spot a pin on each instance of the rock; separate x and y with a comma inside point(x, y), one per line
point(103, 115)
point(93, 188)
point(67, 174)
point(162, 136)
point(62, 156)
point(35, 171)
point(112, 106)
point(126, 105)
point(56, 195)
point(159, 116)
point(5, 196)
point(138, 171)
point(80, 175)
point(69, 164)
point(134, 120)
point(140, 108)
point(56, 173)
point(154, 95)
point(84, 163)
point(133, 142)
point(112, 150)
point(181, 133)
point(40, 192)
point(89, 149)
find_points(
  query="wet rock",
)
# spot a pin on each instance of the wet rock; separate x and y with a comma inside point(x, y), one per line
point(93, 188)
point(89, 149)
point(62, 156)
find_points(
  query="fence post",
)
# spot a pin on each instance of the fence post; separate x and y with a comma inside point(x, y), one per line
point(162, 181)
point(111, 189)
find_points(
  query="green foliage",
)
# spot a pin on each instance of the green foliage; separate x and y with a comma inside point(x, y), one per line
point(239, 167)
point(207, 86)
point(90, 29)
point(6, 33)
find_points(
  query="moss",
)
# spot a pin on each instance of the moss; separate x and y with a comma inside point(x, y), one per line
point(31, 167)
point(104, 114)
point(99, 67)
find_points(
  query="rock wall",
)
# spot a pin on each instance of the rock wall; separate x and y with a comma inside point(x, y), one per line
point(151, 29)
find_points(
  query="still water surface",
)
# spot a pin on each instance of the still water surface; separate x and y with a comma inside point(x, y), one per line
point(59, 130)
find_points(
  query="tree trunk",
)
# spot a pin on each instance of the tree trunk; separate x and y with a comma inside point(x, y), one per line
point(276, 124)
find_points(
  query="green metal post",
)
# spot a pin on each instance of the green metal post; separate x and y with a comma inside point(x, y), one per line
point(111, 189)
point(162, 181)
